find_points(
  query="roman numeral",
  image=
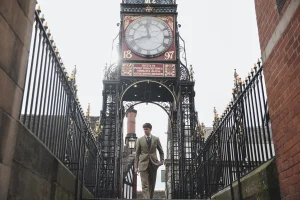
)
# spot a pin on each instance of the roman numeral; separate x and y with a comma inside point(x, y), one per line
point(131, 43)
point(139, 50)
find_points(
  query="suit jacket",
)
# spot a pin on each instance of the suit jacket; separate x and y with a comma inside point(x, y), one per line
point(144, 155)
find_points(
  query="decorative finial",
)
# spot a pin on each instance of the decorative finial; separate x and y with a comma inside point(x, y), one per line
point(192, 72)
point(215, 113)
point(88, 111)
point(43, 18)
point(39, 10)
point(236, 76)
point(49, 33)
point(105, 71)
point(73, 75)
point(97, 128)
point(46, 25)
point(203, 131)
point(240, 81)
point(216, 119)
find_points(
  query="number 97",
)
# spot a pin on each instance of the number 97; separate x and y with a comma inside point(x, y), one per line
point(169, 55)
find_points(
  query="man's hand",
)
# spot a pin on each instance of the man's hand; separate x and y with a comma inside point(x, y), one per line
point(161, 163)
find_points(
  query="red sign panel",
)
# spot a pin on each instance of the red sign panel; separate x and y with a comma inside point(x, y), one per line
point(170, 70)
point(151, 70)
point(148, 70)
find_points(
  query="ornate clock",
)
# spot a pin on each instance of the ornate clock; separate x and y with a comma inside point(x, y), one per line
point(148, 37)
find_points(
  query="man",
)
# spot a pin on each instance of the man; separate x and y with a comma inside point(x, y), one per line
point(146, 160)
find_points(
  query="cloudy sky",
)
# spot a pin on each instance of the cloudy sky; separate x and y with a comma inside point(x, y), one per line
point(220, 36)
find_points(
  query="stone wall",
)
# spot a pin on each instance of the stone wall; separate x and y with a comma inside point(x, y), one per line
point(28, 170)
point(16, 21)
point(279, 35)
point(37, 174)
point(262, 183)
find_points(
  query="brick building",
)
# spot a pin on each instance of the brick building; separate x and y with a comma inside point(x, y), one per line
point(279, 33)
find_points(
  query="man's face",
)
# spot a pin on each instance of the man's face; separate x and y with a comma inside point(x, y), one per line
point(147, 131)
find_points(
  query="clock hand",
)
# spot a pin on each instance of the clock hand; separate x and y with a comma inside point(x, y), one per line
point(141, 38)
point(148, 32)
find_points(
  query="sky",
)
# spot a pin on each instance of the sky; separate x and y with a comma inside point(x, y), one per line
point(220, 36)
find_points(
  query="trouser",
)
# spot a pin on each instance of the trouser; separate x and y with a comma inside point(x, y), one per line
point(148, 178)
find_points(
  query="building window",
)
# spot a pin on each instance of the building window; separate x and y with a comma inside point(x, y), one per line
point(280, 4)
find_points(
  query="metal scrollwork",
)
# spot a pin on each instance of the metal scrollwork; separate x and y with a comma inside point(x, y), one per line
point(182, 51)
point(184, 73)
point(139, 9)
point(149, 1)
point(186, 99)
point(166, 106)
point(129, 104)
point(111, 72)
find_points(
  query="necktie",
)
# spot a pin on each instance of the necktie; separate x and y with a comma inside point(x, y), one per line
point(148, 142)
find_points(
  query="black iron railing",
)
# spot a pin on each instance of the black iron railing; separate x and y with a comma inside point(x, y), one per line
point(241, 140)
point(128, 181)
point(52, 112)
point(280, 5)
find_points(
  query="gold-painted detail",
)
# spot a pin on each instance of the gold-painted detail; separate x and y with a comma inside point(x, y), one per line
point(149, 9)
point(169, 20)
point(88, 112)
point(203, 131)
point(127, 20)
point(127, 54)
point(73, 75)
point(169, 55)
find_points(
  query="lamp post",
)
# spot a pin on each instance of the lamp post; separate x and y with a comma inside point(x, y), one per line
point(131, 143)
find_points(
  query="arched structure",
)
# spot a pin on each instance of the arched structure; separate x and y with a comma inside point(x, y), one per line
point(161, 78)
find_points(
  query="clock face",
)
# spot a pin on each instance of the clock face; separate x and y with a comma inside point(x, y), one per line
point(148, 37)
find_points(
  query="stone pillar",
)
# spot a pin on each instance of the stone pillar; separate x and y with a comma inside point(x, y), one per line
point(16, 23)
point(279, 34)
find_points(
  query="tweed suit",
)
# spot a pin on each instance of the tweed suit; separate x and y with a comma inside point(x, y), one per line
point(147, 162)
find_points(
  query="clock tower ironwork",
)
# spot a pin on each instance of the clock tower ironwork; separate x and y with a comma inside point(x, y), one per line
point(152, 68)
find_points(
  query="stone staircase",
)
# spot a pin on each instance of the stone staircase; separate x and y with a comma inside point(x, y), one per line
point(159, 194)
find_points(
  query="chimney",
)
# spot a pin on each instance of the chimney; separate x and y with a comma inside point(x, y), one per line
point(131, 117)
